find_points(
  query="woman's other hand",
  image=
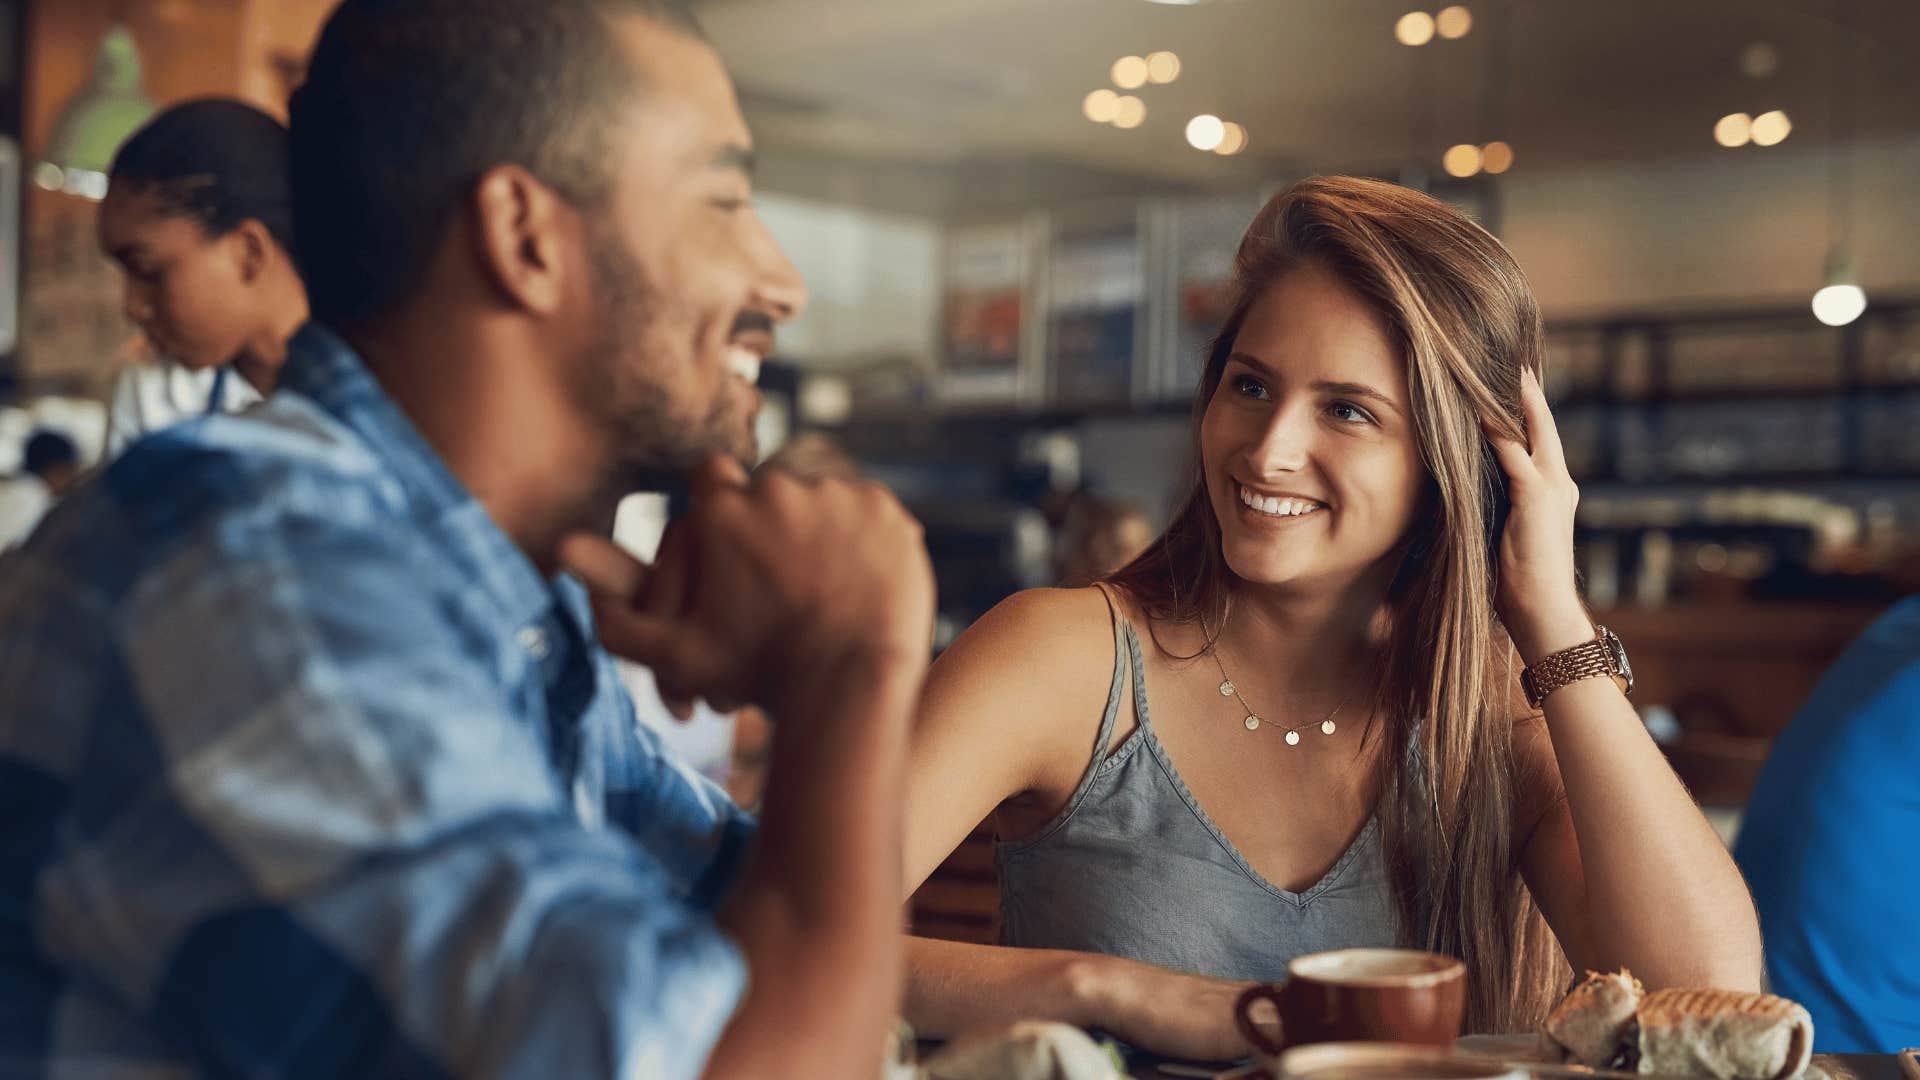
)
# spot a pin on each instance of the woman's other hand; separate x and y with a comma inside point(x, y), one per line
point(1538, 600)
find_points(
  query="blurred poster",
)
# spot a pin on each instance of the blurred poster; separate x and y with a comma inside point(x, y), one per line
point(1205, 237)
point(1096, 282)
point(984, 310)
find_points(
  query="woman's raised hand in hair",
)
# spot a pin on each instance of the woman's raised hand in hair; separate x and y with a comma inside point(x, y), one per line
point(1538, 600)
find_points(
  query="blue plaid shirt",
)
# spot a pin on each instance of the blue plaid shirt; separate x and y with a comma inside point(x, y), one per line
point(305, 770)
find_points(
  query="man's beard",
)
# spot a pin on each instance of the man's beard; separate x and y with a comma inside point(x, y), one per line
point(626, 375)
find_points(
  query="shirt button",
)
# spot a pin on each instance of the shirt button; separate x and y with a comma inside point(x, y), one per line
point(533, 640)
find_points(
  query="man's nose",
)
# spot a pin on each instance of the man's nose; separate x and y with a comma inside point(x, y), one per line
point(778, 288)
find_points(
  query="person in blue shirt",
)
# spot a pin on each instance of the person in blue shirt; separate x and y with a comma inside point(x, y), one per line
point(1828, 845)
point(310, 761)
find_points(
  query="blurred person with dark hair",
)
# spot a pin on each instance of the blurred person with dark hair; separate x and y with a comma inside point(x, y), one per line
point(1097, 537)
point(49, 465)
point(312, 761)
point(199, 218)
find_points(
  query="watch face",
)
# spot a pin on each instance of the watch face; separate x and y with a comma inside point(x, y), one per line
point(1618, 651)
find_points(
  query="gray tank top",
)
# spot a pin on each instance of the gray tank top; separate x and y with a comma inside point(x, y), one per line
point(1134, 867)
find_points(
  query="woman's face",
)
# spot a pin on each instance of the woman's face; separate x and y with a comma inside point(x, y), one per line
point(1308, 444)
point(190, 294)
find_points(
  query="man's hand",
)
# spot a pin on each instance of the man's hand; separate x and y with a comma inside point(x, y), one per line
point(765, 581)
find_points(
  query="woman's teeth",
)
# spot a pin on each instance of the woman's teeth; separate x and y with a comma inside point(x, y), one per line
point(745, 363)
point(1267, 504)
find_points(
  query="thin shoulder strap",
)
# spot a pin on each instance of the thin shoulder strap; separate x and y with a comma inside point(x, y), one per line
point(1107, 722)
point(1121, 655)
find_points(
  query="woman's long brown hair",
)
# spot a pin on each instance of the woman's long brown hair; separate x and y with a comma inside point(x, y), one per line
point(1468, 324)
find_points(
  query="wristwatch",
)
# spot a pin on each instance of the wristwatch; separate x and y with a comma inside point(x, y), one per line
point(1604, 655)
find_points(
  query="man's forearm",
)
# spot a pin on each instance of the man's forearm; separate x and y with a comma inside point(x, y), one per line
point(817, 908)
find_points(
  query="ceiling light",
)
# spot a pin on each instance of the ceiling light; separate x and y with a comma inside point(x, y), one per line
point(1129, 112)
point(1461, 161)
point(1838, 305)
point(1771, 128)
point(1162, 67)
point(86, 183)
point(1414, 28)
point(1206, 132)
point(1130, 73)
point(1842, 300)
point(103, 113)
point(1496, 157)
point(1454, 22)
point(1759, 60)
point(1101, 106)
point(1734, 129)
point(1233, 139)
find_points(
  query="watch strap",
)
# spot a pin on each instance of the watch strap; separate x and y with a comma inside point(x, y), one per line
point(1587, 660)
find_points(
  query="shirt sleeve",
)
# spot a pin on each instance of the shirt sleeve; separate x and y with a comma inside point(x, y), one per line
point(317, 841)
point(670, 808)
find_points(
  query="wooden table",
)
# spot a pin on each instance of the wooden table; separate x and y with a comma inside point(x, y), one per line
point(1837, 1066)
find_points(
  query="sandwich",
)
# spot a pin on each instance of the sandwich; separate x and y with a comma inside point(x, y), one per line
point(1723, 1033)
point(1590, 1024)
point(1611, 1022)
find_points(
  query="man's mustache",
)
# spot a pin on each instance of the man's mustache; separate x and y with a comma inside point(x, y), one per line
point(750, 322)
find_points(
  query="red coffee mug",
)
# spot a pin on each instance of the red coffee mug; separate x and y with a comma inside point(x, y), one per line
point(1361, 995)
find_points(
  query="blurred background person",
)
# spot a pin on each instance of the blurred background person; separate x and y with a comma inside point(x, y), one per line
point(1828, 846)
point(49, 466)
point(198, 217)
point(1097, 537)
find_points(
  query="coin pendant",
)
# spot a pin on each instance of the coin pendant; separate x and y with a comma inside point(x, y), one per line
point(1326, 728)
point(1253, 722)
point(1293, 738)
point(1226, 687)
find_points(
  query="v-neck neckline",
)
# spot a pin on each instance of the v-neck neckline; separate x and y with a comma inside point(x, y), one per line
point(1143, 731)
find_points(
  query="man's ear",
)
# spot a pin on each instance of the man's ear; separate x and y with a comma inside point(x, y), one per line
point(519, 230)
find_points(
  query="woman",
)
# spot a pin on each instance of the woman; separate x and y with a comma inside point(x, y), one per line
point(1293, 724)
point(199, 217)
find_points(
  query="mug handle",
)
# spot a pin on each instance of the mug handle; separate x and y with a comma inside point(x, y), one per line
point(1244, 1020)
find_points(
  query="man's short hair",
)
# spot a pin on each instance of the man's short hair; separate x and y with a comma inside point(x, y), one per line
point(47, 451)
point(408, 102)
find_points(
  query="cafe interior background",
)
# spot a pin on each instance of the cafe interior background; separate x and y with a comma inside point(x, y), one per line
point(1016, 218)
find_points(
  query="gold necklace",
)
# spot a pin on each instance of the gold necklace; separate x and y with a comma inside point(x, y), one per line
point(1253, 720)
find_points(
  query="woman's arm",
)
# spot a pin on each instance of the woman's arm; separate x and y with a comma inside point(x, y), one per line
point(952, 985)
point(1010, 711)
point(1626, 869)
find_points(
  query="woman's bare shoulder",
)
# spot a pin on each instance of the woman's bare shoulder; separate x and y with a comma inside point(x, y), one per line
point(1040, 635)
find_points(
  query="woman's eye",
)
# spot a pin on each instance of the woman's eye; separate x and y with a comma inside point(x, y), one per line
point(1347, 412)
point(1248, 386)
point(732, 205)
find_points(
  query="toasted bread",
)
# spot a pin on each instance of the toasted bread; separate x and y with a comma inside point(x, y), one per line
point(1590, 1023)
point(1723, 1033)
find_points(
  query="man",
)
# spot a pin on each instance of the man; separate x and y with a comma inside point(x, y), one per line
point(49, 465)
point(1828, 846)
point(309, 764)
